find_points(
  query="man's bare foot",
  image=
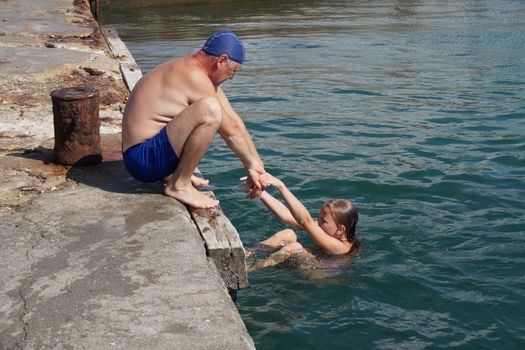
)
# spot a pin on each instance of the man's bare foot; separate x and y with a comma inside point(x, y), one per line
point(199, 181)
point(190, 196)
point(195, 180)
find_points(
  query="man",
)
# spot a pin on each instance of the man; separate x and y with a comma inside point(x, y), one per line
point(174, 113)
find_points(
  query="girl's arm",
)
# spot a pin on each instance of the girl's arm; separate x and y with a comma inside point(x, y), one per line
point(278, 209)
point(276, 206)
point(306, 222)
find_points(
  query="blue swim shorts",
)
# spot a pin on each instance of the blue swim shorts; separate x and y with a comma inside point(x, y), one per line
point(151, 160)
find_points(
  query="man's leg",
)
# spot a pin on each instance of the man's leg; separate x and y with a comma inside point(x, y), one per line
point(191, 133)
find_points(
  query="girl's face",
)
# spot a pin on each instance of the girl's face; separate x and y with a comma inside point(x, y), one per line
point(327, 223)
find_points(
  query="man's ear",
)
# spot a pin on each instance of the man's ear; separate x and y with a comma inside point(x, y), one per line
point(222, 59)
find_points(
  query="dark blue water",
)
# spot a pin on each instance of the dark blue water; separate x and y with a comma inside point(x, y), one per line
point(414, 110)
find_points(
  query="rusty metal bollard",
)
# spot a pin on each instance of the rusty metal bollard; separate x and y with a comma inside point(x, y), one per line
point(77, 126)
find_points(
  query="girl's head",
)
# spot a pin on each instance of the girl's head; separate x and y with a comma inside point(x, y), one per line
point(338, 218)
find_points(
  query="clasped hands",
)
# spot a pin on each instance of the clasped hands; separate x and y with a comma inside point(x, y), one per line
point(256, 182)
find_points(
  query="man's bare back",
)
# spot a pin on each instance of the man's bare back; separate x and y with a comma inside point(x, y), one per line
point(159, 96)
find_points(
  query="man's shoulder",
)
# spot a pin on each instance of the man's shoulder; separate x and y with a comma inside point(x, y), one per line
point(172, 64)
point(184, 75)
point(184, 67)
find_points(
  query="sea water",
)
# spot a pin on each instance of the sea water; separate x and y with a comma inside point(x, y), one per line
point(415, 111)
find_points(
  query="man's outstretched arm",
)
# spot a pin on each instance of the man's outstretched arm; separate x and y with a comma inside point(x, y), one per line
point(236, 136)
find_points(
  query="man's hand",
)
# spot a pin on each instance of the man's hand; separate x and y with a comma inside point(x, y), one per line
point(251, 190)
point(257, 178)
point(255, 183)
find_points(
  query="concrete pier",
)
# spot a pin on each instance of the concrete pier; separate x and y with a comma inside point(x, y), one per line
point(91, 258)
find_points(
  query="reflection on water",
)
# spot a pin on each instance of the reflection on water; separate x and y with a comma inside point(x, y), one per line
point(415, 111)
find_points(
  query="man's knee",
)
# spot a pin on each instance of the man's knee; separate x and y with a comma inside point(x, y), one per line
point(210, 110)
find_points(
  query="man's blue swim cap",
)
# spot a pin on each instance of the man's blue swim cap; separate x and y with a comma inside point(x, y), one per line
point(225, 41)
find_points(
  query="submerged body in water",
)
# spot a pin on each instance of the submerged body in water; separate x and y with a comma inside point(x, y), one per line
point(310, 263)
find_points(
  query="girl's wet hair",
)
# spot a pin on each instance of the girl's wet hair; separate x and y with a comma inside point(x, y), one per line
point(345, 213)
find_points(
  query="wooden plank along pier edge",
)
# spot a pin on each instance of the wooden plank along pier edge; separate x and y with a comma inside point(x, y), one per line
point(221, 239)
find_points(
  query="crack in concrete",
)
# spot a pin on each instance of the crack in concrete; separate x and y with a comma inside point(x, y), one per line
point(21, 319)
point(27, 283)
point(22, 296)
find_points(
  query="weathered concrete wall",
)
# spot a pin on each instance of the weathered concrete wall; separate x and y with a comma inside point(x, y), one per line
point(109, 4)
point(91, 258)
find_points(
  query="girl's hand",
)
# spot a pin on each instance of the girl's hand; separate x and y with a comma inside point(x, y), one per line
point(257, 177)
point(251, 190)
point(273, 181)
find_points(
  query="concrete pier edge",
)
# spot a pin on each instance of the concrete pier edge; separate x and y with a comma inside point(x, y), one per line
point(92, 259)
point(221, 239)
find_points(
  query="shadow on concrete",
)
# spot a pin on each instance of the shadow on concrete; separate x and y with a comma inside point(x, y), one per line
point(111, 176)
point(41, 153)
point(36, 162)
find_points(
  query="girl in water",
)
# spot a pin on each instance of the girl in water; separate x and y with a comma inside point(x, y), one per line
point(333, 231)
